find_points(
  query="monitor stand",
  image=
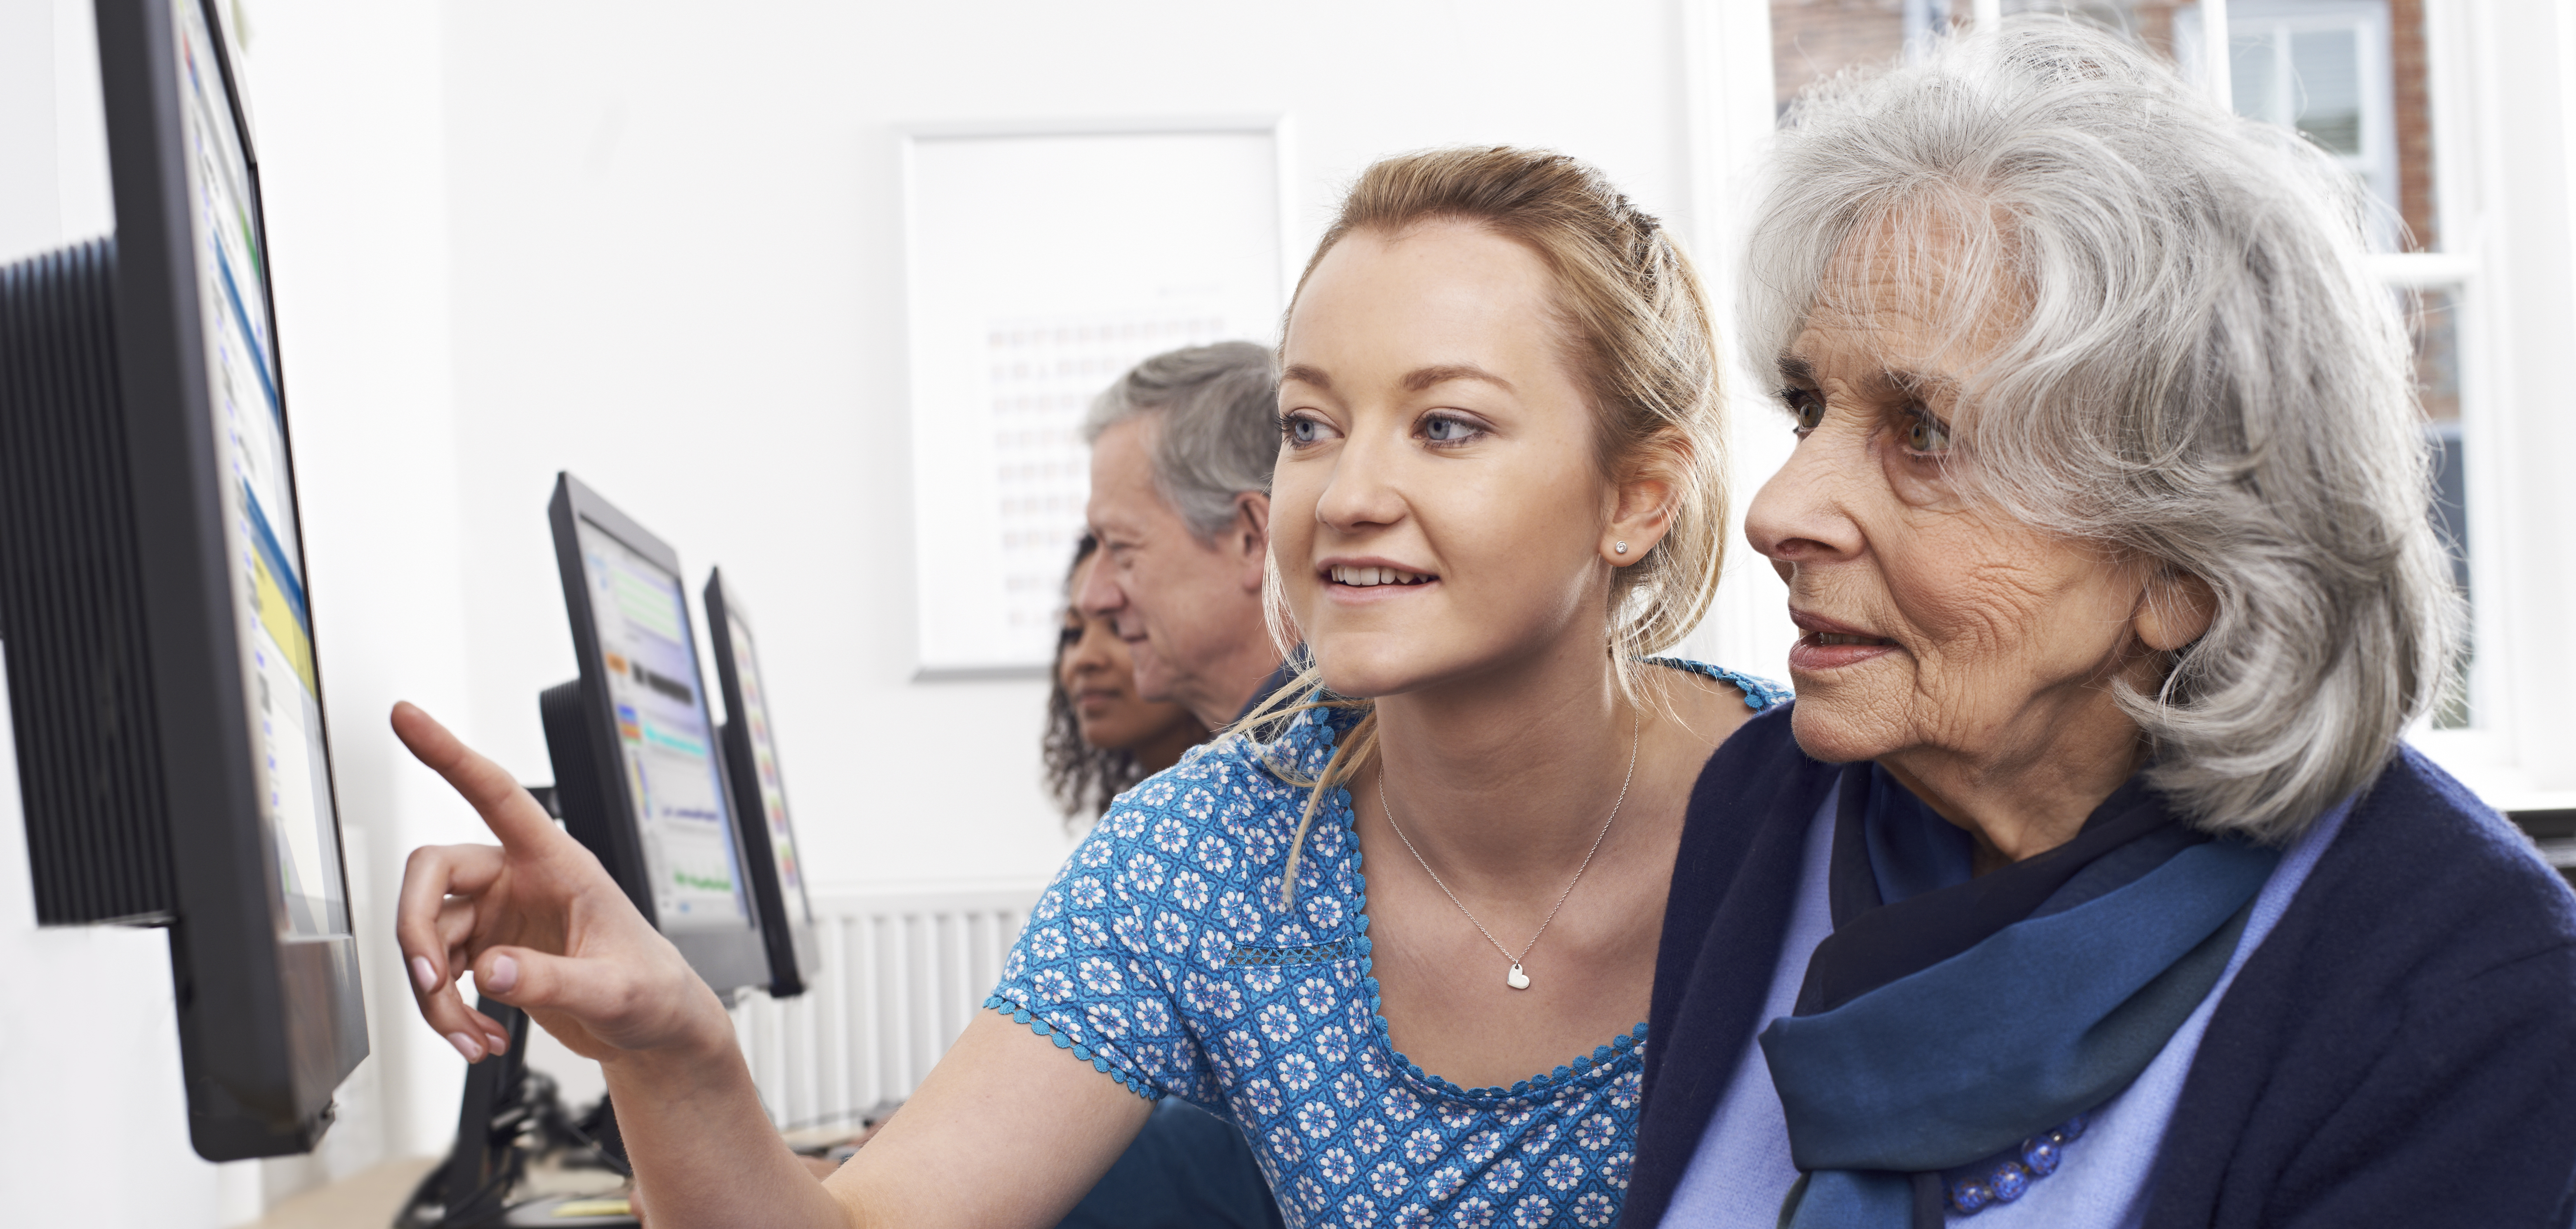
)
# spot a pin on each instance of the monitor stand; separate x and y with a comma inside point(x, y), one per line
point(471, 1189)
point(576, 799)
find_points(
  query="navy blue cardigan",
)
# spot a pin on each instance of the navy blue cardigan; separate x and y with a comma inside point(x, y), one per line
point(2400, 1051)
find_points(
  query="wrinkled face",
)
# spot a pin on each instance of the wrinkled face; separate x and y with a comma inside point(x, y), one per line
point(1437, 511)
point(1092, 664)
point(1180, 604)
point(1928, 621)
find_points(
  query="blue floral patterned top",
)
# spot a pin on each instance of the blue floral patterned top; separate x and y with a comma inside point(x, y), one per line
point(1161, 956)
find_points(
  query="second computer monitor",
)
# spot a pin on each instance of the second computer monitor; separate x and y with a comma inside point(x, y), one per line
point(637, 771)
point(760, 796)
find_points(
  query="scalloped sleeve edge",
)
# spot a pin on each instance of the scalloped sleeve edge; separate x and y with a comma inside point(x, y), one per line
point(1093, 1058)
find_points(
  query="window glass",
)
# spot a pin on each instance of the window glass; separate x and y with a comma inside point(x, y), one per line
point(2348, 75)
point(2326, 64)
point(1814, 39)
point(2433, 320)
point(2253, 60)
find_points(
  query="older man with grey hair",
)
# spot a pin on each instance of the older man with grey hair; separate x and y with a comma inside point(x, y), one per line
point(1181, 451)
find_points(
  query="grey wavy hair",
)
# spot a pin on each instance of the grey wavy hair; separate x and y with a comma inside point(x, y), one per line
point(2183, 359)
point(1220, 426)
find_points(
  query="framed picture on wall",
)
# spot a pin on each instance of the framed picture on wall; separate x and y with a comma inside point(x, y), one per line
point(1041, 263)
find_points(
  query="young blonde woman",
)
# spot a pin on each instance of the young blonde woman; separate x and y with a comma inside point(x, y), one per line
point(1499, 484)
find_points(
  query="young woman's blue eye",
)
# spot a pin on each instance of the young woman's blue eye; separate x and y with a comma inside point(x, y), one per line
point(1300, 429)
point(1446, 430)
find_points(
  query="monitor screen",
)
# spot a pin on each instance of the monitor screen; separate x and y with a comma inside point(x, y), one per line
point(764, 757)
point(262, 536)
point(665, 739)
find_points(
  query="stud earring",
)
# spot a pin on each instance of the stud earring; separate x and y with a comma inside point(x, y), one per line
point(1620, 547)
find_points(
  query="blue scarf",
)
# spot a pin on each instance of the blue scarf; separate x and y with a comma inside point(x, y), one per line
point(1948, 1019)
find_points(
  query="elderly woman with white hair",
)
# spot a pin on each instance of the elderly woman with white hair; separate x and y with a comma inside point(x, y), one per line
point(2087, 881)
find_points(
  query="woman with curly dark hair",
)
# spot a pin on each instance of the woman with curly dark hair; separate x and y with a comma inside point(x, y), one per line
point(1101, 737)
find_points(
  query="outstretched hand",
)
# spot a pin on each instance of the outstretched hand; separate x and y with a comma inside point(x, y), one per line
point(541, 925)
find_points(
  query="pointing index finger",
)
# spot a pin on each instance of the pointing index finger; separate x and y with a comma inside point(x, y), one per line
point(506, 808)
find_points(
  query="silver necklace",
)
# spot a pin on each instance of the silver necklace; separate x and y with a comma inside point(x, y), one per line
point(1517, 979)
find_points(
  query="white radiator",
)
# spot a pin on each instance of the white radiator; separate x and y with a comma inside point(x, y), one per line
point(901, 975)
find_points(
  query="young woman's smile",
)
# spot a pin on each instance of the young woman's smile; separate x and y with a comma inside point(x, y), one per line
point(1373, 578)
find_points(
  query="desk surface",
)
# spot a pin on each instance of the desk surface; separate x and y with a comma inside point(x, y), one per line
point(365, 1200)
point(369, 1199)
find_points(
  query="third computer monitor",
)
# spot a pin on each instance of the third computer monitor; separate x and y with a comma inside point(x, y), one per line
point(760, 794)
point(637, 771)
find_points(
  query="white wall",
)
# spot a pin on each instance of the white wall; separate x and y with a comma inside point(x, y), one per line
point(347, 100)
point(93, 1128)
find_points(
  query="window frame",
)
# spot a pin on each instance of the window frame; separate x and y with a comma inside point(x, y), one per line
point(2502, 250)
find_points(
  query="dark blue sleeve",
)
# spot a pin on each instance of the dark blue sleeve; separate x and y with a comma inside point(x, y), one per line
point(2401, 1051)
point(2468, 1117)
point(1188, 1169)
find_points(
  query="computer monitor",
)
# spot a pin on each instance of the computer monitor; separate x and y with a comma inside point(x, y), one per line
point(760, 796)
point(167, 700)
point(637, 773)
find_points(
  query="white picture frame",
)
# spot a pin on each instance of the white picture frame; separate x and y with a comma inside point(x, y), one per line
point(1041, 261)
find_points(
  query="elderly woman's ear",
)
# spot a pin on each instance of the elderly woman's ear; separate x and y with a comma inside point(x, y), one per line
point(2175, 609)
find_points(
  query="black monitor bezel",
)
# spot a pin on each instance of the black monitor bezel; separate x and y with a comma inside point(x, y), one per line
point(794, 957)
point(727, 959)
point(270, 1022)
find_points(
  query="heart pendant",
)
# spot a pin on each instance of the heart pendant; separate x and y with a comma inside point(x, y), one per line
point(1516, 979)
